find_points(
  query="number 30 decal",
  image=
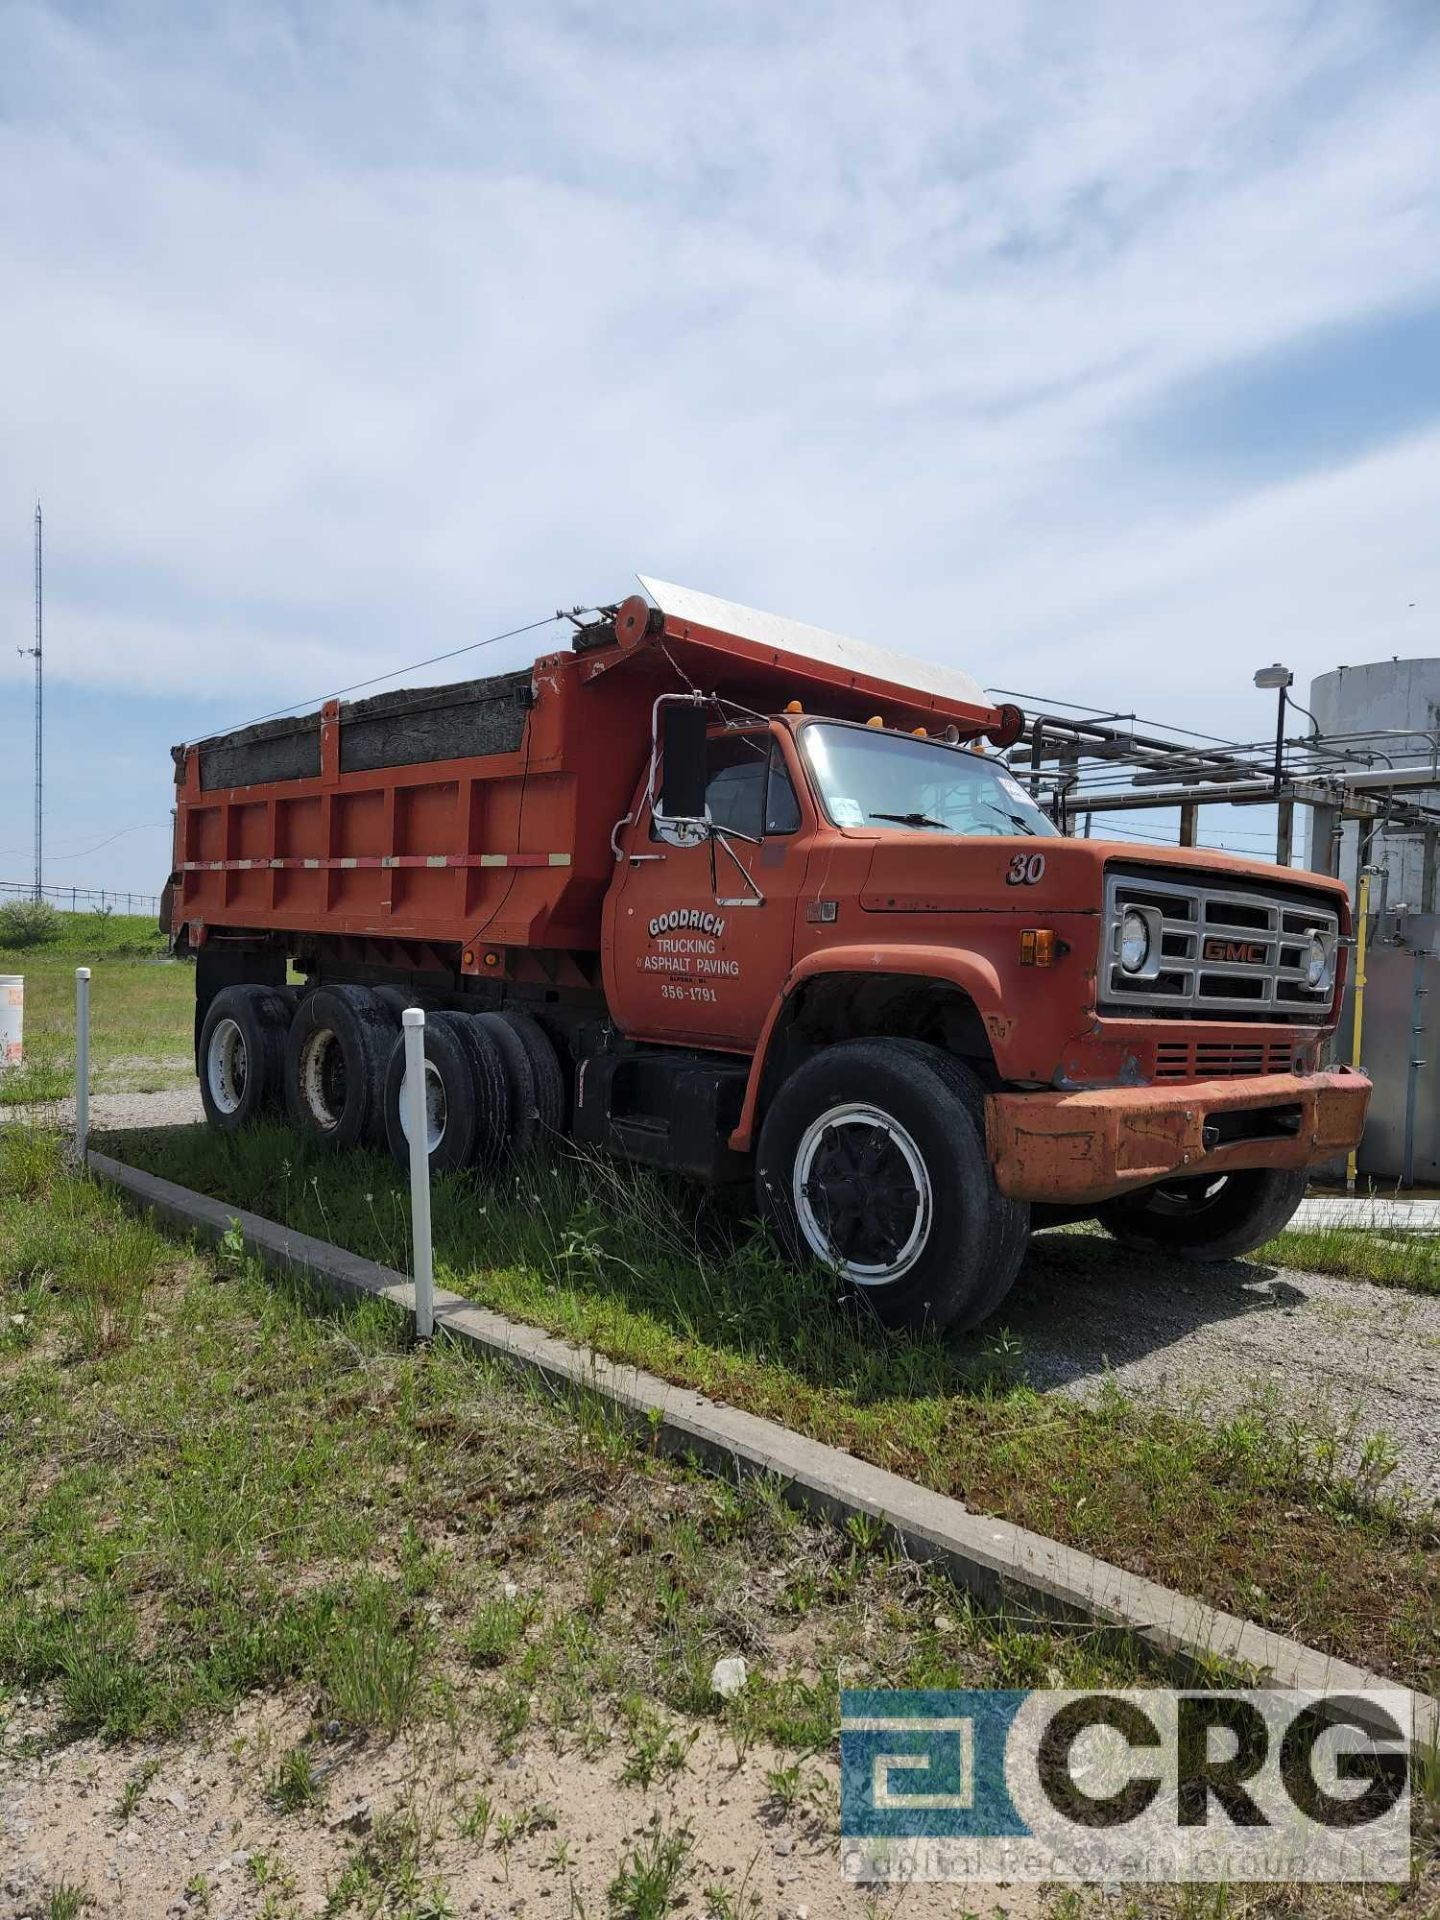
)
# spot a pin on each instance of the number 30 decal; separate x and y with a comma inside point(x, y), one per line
point(1025, 870)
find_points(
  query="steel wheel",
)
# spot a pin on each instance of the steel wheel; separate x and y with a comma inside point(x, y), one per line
point(435, 1107)
point(872, 1161)
point(322, 1077)
point(227, 1066)
point(862, 1193)
point(1185, 1199)
point(240, 1054)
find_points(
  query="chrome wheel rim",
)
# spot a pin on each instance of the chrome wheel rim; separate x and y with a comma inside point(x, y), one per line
point(435, 1109)
point(862, 1194)
point(227, 1066)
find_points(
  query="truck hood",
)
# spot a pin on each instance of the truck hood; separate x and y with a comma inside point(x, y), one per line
point(918, 872)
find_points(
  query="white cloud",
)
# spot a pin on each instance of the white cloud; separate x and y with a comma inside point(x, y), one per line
point(335, 338)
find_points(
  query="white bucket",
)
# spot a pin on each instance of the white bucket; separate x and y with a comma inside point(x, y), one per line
point(12, 1018)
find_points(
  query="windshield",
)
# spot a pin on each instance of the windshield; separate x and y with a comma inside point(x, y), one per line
point(868, 778)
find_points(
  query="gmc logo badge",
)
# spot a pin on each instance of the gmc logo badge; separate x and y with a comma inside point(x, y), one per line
point(1250, 952)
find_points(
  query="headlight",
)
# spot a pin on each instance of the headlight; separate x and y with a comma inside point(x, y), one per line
point(1319, 964)
point(1134, 940)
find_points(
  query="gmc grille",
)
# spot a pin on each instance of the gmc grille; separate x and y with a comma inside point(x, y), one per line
point(1215, 950)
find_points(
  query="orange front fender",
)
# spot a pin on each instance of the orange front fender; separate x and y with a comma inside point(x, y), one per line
point(972, 973)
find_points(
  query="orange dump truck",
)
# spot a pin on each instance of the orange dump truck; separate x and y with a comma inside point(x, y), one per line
point(732, 896)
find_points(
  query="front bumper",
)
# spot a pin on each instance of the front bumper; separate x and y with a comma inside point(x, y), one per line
point(1070, 1149)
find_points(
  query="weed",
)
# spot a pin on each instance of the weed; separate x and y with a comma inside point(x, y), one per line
point(384, 1875)
point(868, 1531)
point(738, 1902)
point(373, 1661)
point(269, 1870)
point(133, 1791)
point(786, 1788)
point(653, 1751)
point(653, 1875)
point(293, 1784)
point(474, 1823)
point(494, 1631)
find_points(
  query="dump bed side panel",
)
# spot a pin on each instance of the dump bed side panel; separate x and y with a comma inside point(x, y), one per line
point(452, 815)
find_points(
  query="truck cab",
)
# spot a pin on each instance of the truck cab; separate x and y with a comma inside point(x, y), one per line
point(1141, 1032)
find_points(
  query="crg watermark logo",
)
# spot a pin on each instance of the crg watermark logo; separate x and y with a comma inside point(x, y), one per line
point(1144, 1785)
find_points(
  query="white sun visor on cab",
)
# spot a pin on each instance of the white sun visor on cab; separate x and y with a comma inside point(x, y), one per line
point(945, 684)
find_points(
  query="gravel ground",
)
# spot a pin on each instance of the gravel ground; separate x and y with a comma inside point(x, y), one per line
point(1341, 1355)
point(178, 1108)
point(1338, 1354)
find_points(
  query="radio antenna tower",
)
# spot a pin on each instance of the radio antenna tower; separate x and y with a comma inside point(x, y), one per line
point(37, 652)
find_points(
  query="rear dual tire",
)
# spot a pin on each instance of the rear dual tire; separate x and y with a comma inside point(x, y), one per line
point(872, 1161)
point(242, 1055)
point(336, 1055)
point(467, 1096)
point(493, 1091)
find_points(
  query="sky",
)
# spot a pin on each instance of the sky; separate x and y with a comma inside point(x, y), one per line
point(1093, 349)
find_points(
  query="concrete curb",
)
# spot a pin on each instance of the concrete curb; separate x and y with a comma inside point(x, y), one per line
point(990, 1558)
point(1368, 1213)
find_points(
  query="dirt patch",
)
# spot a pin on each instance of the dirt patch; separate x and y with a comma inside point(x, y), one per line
point(442, 1817)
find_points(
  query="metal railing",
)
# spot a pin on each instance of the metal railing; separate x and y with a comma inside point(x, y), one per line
point(85, 899)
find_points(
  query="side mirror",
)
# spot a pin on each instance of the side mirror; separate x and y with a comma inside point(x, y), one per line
point(681, 741)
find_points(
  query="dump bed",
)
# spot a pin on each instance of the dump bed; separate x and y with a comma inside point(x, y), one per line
point(480, 815)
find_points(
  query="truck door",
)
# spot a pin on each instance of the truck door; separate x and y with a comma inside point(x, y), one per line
point(699, 939)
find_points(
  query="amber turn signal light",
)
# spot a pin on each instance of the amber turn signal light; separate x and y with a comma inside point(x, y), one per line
point(1037, 947)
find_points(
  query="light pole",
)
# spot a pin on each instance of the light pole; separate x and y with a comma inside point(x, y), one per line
point(1280, 678)
point(36, 653)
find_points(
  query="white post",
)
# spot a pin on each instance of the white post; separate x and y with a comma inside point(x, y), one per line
point(82, 1060)
point(414, 1095)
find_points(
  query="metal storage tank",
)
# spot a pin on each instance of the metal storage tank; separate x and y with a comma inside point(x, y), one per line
point(1390, 710)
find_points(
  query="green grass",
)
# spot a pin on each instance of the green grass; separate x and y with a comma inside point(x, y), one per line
point(83, 937)
point(1260, 1515)
point(1385, 1256)
point(227, 1486)
point(141, 1011)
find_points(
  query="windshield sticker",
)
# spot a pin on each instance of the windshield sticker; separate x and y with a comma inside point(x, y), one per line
point(846, 812)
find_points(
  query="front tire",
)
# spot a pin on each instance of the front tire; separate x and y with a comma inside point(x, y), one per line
point(1214, 1217)
point(872, 1160)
